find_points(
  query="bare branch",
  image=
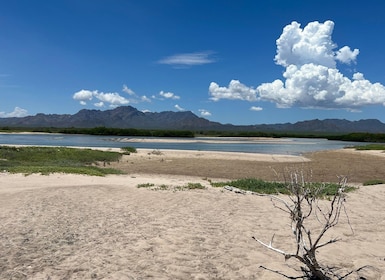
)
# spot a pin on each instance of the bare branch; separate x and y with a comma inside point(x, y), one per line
point(327, 243)
point(302, 204)
point(270, 246)
point(280, 273)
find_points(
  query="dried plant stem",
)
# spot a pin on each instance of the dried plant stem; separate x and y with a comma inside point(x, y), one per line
point(304, 202)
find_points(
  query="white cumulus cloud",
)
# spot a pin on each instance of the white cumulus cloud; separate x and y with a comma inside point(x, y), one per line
point(84, 95)
point(16, 113)
point(346, 55)
point(312, 44)
point(113, 99)
point(311, 78)
point(168, 95)
point(99, 104)
point(204, 113)
point(256, 108)
point(236, 91)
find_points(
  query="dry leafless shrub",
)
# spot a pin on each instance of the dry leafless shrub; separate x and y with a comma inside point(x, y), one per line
point(302, 206)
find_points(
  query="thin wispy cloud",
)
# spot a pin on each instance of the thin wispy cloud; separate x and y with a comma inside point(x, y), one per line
point(4, 81)
point(128, 90)
point(188, 59)
point(311, 78)
point(179, 108)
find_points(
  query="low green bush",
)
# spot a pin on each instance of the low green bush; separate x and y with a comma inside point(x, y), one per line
point(128, 150)
point(265, 187)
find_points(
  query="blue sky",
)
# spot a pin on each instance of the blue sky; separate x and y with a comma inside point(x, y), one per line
point(239, 62)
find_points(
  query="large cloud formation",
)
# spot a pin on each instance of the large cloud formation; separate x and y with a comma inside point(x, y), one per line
point(311, 77)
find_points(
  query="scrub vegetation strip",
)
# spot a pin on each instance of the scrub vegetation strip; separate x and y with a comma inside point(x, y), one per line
point(47, 160)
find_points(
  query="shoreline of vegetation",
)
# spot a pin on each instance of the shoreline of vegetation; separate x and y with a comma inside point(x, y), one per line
point(106, 131)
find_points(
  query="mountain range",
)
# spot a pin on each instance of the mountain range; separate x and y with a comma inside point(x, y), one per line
point(130, 117)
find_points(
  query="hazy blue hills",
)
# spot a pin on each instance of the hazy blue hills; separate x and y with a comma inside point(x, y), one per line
point(130, 117)
point(120, 117)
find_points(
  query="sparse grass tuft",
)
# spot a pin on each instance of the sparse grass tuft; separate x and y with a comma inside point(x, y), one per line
point(374, 182)
point(156, 153)
point(163, 187)
point(195, 186)
point(146, 185)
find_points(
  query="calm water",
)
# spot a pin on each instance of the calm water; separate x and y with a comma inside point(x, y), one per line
point(291, 146)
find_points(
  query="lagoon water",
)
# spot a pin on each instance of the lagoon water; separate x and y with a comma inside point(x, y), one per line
point(290, 146)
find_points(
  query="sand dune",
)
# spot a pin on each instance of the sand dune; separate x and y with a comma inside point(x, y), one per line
point(80, 227)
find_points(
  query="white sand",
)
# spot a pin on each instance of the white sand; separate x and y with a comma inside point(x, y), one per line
point(81, 227)
point(166, 153)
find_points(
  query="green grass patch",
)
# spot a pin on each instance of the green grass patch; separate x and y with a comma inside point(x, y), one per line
point(265, 187)
point(370, 147)
point(374, 182)
point(163, 187)
point(146, 185)
point(195, 186)
point(255, 185)
point(47, 160)
point(128, 150)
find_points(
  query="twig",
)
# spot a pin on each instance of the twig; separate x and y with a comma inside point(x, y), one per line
point(280, 273)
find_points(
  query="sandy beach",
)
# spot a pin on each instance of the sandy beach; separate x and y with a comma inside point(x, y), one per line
point(358, 166)
point(82, 227)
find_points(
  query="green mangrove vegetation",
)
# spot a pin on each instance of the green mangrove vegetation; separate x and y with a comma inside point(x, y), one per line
point(45, 160)
point(108, 131)
point(378, 147)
